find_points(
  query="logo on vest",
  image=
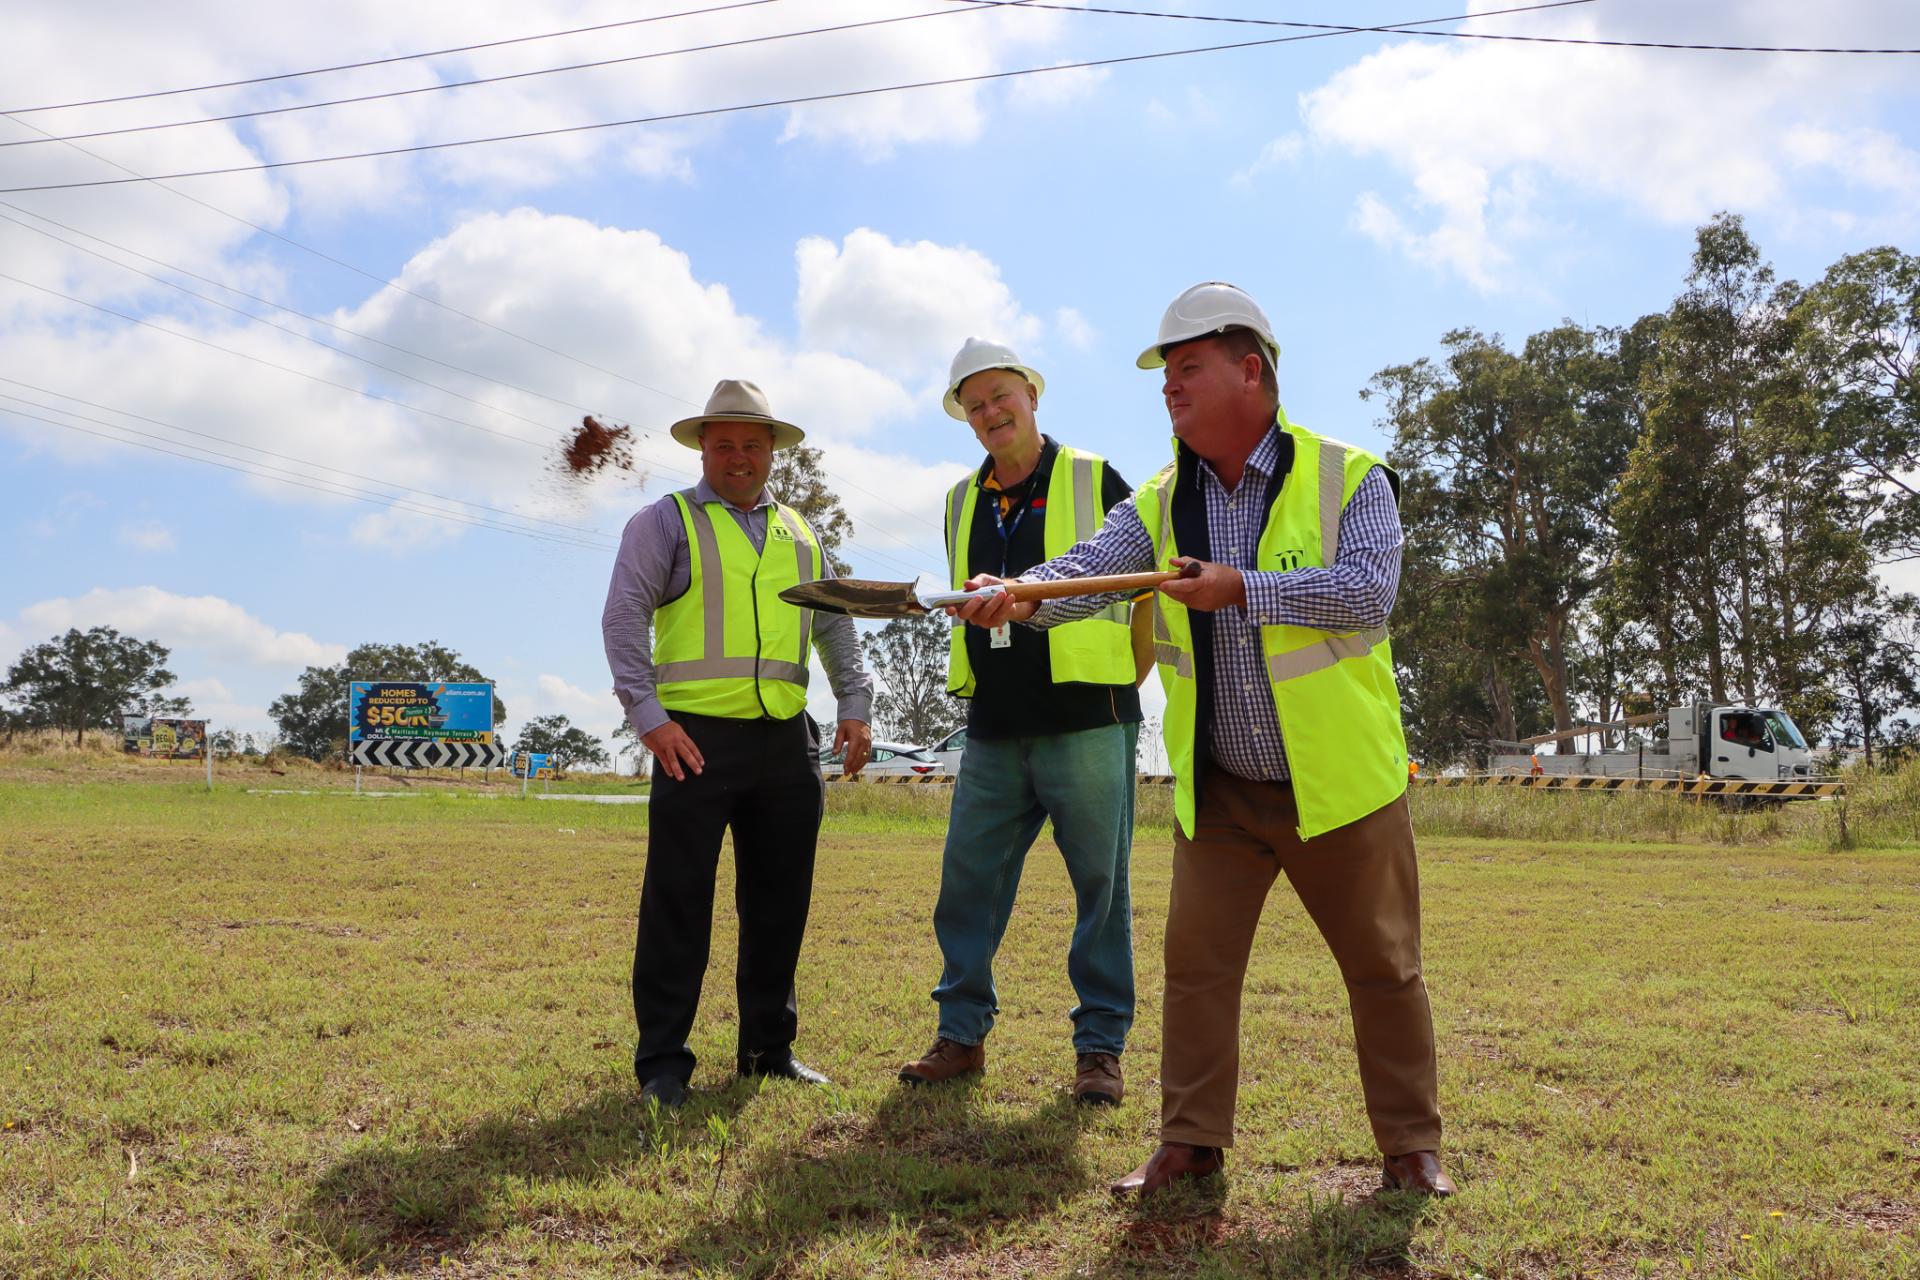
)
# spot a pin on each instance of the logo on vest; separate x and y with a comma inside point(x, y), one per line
point(778, 531)
point(1291, 558)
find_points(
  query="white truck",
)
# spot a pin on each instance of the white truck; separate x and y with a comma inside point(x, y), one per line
point(1757, 744)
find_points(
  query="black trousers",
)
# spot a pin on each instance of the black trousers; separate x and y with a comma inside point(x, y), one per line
point(762, 780)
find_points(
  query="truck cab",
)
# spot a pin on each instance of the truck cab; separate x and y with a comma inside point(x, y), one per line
point(1757, 744)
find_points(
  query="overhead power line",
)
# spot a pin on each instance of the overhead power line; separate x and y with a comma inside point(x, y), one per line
point(1461, 35)
point(288, 369)
point(262, 471)
point(382, 62)
point(768, 104)
point(384, 283)
point(976, 6)
point(556, 525)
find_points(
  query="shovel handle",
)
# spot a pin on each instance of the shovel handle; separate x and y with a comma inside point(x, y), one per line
point(1097, 586)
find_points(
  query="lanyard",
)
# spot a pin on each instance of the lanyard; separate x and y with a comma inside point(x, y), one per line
point(1006, 530)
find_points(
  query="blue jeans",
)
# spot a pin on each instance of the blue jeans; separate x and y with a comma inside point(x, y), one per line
point(1007, 789)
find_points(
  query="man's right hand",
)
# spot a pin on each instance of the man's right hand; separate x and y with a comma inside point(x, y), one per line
point(991, 610)
point(675, 751)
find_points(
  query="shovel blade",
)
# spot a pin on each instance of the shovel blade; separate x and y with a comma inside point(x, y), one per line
point(858, 597)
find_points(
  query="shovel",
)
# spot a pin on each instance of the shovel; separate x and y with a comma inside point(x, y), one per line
point(867, 598)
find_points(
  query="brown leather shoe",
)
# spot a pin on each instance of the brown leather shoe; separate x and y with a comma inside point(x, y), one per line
point(1170, 1162)
point(1416, 1171)
point(947, 1060)
point(1097, 1081)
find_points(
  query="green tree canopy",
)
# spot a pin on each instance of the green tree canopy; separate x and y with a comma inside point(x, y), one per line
point(799, 480)
point(908, 658)
point(564, 743)
point(87, 679)
point(313, 718)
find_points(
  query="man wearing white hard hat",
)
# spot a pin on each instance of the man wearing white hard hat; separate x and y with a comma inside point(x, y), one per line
point(1052, 721)
point(1282, 727)
point(711, 666)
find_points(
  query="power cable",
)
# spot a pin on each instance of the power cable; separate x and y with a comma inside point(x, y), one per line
point(381, 62)
point(767, 104)
point(264, 471)
point(261, 360)
point(1459, 35)
point(385, 283)
point(515, 75)
point(284, 457)
point(267, 302)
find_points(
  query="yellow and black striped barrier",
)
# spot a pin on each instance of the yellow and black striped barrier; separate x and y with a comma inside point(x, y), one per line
point(1681, 786)
point(947, 779)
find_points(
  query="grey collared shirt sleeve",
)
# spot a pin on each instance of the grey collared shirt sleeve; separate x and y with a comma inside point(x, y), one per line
point(653, 552)
point(838, 645)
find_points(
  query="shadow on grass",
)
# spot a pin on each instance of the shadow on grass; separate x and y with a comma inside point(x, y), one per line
point(922, 1176)
point(1330, 1236)
point(930, 1163)
point(391, 1206)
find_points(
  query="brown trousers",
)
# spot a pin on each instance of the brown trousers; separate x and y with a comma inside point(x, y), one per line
point(1361, 888)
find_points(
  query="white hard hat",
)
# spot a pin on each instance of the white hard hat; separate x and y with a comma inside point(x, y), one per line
point(1206, 309)
point(977, 355)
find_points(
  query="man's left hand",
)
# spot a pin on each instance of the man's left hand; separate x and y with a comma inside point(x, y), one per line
point(1218, 586)
point(856, 739)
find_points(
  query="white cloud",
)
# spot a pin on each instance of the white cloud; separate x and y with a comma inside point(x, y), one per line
point(554, 696)
point(1073, 327)
point(1489, 137)
point(904, 307)
point(150, 536)
point(1283, 150)
point(1054, 90)
point(221, 629)
point(56, 55)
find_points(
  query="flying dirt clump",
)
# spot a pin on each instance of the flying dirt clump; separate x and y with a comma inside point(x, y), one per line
point(594, 447)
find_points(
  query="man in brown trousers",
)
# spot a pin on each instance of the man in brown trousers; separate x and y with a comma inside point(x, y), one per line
point(1282, 726)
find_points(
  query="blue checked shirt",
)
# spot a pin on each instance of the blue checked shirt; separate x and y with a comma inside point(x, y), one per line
point(1355, 594)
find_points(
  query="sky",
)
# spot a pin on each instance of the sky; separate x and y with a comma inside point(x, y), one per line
point(423, 329)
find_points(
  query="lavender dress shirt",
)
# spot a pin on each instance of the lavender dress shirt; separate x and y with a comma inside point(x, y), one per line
point(654, 566)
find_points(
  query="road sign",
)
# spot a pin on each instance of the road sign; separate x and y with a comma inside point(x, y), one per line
point(532, 764)
point(425, 753)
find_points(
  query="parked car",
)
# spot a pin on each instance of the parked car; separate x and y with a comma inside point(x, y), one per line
point(887, 758)
point(949, 749)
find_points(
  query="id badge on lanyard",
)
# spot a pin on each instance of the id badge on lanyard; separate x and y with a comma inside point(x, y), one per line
point(1001, 637)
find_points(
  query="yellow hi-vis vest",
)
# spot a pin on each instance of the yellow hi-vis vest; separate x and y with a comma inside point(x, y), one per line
point(1335, 695)
point(1095, 650)
point(730, 646)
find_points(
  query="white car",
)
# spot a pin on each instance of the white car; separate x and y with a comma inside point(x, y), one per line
point(887, 758)
point(949, 749)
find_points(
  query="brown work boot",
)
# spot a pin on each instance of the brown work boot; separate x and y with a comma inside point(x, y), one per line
point(1096, 1080)
point(1416, 1171)
point(1170, 1162)
point(947, 1060)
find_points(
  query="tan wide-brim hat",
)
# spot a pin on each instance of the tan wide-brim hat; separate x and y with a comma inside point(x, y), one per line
point(736, 400)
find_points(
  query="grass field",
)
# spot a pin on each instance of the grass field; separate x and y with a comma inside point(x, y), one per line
point(310, 1035)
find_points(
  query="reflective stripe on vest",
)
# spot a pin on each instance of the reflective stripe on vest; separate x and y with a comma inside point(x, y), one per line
point(1079, 652)
point(692, 683)
point(1334, 695)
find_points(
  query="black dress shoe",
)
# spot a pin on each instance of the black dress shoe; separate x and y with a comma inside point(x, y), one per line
point(786, 1067)
point(669, 1091)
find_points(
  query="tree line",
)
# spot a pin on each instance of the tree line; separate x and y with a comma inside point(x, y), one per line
point(1693, 505)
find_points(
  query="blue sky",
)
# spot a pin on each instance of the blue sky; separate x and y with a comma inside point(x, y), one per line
point(1373, 191)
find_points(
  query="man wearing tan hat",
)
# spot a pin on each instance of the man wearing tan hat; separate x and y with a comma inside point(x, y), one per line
point(711, 666)
point(1052, 720)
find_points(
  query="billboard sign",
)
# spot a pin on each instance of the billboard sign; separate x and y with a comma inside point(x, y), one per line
point(532, 764)
point(401, 710)
point(163, 737)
